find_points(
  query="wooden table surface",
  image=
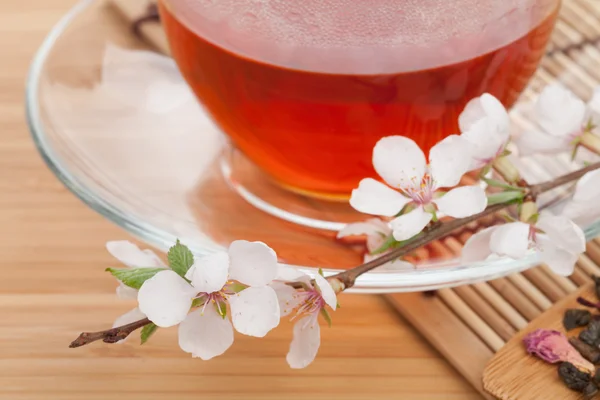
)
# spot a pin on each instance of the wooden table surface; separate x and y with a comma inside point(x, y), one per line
point(52, 286)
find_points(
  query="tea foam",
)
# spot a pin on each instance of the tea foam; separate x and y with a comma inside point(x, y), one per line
point(361, 36)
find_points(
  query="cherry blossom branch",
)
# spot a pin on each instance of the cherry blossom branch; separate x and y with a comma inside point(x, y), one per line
point(536, 190)
point(346, 279)
point(110, 335)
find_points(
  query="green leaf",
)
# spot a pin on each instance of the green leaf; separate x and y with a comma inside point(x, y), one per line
point(321, 272)
point(326, 315)
point(221, 308)
point(180, 258)
point(337, 305)
point(391, 243)
point(134, 277)
point(148, 331)
point(500, 184)
point(507, 197)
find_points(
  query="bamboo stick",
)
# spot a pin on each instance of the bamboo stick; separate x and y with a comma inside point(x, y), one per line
point(531, 291)
point(484, 310)
point(505, 310)
point(586, 264)
point(471, 319)
point(545, 283)
point(516, 298)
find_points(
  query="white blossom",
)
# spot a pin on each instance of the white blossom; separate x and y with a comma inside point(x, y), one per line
point(562, 117)
point(584, 207)
point(485, 124)
point(214, 281)
point(556, 239)
point(402, 165)
point(306, 304)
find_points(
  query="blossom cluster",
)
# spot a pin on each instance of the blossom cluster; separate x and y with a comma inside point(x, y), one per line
point(415, 192)
point(244, 289)
point(245, 284)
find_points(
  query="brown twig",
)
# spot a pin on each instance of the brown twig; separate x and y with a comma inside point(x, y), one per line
point(347, 278)
point(536, 190)
point(110, 335)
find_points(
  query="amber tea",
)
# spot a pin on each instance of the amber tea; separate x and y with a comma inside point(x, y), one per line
point(306, 89)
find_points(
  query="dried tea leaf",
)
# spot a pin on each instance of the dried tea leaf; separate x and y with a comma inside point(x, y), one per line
point(575, 318)
point(574, 378)
point(591, 334)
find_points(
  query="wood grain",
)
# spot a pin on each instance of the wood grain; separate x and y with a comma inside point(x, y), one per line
point(514, 375)
point(52, 286)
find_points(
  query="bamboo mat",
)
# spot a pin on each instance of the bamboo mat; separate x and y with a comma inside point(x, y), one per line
point(469, 324)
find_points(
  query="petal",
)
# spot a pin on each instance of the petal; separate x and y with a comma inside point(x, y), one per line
point(536, 142)
point(374, 226)
point(305, 343)
point(588, 188)
point(289, 274)
point(583, 213)
point(560, 112)
point(408, 225)
point(373, 197)
point(209, 274)
point(485, 106)
point(129, 317)
point(462, 202)
point(327, 291)
point(449, 160)
point(131, 255)
point(287, 296)
point(560, 261)
point(563, 233)
point(477, 247)
point(510, 240)
point(166, 298)
point(399, 161)
point(472, 113)
point(252, 263)
point(487, 140)
point(125, 292)
point(255, 311)
point(205, 335)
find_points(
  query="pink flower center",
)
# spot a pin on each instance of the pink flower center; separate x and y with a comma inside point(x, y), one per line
point(311, 302)
point(421, 191)
point(218, 299)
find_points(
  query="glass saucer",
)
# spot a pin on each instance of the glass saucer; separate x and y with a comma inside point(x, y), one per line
point(119, 127)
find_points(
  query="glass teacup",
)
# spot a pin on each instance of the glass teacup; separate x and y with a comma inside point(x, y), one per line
point(306, 88)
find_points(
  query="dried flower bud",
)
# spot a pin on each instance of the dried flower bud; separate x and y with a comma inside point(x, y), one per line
point(574, 378)
point(591, 334)
point(575, 318)
point(554, 347)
